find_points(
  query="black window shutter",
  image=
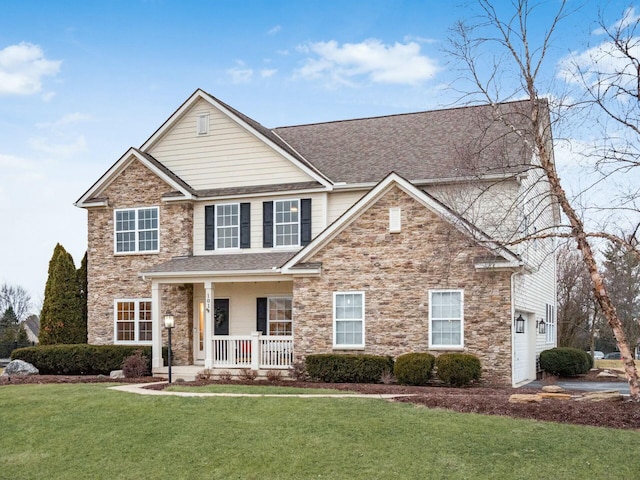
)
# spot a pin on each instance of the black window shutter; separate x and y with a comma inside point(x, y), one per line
point(209, 227)
point(261, 315)
point(267, 224)
point(305, 221)
point(245, 225)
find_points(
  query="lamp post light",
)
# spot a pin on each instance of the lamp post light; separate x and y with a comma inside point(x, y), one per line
point(169, 324)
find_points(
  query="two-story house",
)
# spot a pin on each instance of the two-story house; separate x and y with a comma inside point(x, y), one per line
point(381, 235)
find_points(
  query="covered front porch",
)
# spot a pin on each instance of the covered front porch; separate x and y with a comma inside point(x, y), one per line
point(225, 321)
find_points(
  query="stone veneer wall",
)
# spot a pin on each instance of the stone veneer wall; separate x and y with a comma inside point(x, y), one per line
point(113, 277)
point(396, 272)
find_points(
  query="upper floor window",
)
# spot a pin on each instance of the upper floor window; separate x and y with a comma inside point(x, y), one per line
point(228, 225)
point(133, 321)
point(348, 319)
point(286, 223)
point(446, 318)
point(136, 230)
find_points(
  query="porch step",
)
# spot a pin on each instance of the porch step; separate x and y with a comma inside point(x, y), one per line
point(189, 373)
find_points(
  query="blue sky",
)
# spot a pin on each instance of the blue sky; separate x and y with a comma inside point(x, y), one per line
point(82, 81)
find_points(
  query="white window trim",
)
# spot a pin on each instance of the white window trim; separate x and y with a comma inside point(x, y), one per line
point(215, 223)
point(137, 302)
point(275, 225)
point(447, 347)
point(337, 346)
point(279, 297)
point(137, 231)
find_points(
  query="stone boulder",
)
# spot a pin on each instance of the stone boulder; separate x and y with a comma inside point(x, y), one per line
point(525, 398)
point(604, 396)
point(116, 374)
point(553, 389)
point(19, 368)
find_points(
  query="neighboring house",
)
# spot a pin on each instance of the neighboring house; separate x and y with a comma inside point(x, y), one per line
point(382, 235)
point(32, 327)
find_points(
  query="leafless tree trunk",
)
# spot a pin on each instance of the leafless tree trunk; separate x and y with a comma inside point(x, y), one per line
point(512, 54)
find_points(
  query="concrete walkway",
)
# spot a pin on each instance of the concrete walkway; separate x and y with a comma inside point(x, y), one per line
point(140, 390)
point(622, 387)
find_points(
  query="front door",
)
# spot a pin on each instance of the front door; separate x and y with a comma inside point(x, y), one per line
point(221, 316)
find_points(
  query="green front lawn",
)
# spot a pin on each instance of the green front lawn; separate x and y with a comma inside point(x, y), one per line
point(88, 431)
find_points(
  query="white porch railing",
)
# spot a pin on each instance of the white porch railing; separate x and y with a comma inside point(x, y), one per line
point(255, 351)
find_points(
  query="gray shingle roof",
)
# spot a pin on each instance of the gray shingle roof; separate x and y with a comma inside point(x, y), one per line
point(455, 142)
point(240, 262)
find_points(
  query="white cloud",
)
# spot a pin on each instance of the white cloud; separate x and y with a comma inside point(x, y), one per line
point(268, 72)
point(69, 119)
point(22, 68)
point(61, 149)
point(629, 17)
point(240, 73)
point(274, 30)
point(371, 59)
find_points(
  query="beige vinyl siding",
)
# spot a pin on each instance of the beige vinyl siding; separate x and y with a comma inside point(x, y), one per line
point(491, 206)
point(242, 301)
point(228, 156)
point(339, 202)
point(317, 220)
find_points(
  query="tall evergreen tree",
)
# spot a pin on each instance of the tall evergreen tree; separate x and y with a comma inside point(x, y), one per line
point(82, 296)
point(8, 326)
point(61, 318)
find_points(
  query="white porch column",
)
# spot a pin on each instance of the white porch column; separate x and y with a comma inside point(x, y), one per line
point(208, 323)
point(156, 326)
point(256, 353)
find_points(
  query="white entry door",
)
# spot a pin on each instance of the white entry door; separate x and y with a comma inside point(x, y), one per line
point(522, 353)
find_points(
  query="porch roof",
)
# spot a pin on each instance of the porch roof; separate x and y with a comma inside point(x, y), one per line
point(221, 264)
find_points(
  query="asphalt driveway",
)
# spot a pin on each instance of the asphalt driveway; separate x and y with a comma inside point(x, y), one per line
point(622, 387)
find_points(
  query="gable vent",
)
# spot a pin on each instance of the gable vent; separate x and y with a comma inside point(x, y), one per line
point(394, 220)
point(202, 124)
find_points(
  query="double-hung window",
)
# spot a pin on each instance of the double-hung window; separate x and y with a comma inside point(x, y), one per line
point(133, 321)
point(228, 225)
point(287, 223)
point(446, 318)
point(280, 316)
point(136, 230)
point(348, 319)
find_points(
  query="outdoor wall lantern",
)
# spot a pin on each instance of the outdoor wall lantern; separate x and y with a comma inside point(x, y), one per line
point(169, 323)
point(519, 324)
point(542, 326)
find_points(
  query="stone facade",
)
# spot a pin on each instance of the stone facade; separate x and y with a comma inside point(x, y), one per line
point(396, 272)
point(115, 276)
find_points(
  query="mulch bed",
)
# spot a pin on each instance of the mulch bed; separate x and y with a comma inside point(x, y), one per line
point(482, 399)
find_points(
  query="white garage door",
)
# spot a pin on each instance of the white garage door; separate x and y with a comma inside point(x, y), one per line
point(522, 355)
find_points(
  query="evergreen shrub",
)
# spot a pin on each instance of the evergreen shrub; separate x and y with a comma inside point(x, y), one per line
point(458, 369)
point(79, 359)
point(414, 368)
point(347, 368)
point(565, 361)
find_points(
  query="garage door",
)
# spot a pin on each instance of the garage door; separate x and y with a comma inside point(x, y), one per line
point(522, 354)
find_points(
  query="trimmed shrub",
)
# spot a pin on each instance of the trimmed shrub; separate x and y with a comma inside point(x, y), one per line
point(565, 361)
point(334, 368)
point(414, 368)
point(79, 359)
point(136, 366)
point(458, 369)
